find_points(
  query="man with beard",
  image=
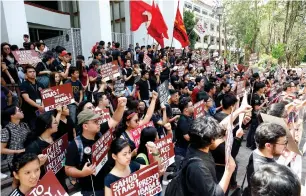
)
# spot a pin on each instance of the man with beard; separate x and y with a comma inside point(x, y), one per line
point(271, 142)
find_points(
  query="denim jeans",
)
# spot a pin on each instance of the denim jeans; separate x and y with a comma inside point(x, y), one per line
point(72, 112)
point(90, 193)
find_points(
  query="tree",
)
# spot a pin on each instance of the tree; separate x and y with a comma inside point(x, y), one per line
point(190, 22)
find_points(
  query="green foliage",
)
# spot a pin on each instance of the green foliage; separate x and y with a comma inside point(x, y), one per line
point(278, 51)
point(190, 22)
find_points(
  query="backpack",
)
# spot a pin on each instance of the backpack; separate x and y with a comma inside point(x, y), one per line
point(177, 186)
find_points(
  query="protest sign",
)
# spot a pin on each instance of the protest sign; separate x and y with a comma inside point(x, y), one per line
point(119, 88)
point(147, 60)
point(144, 182)
point(109, 71)
point(48, 185)
point(208, 69)
point(178, 52)
point(105, 115)
point(180, 70)
point(100, 150)
point(205, 55)
point(240, 88)
point(24, 57)
point(166, 148)
point(253, 59)
point(56, 153)
point(196, 57)
point(57, 96)
point(229, 139)
point(163, 92)
point(137, 131)
point(198, 109)
point(158, 68)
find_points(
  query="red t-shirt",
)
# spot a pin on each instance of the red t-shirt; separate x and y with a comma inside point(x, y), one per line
point(194, 93)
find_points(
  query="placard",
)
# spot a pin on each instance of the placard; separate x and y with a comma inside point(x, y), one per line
point(178, 52)
point(56, 153)
point(205, 55)
point(180, 70)
point(165, 147)
point(163, 92)
point(137, 131)
point(119, 88)
point(198, 109)
point(57, 96)
point(109, 71)
point(100, 150)
point(158, 68)
point(253, 59)
point(144, 182)
point(24, 57)
point(196, 57)
point(48, 186)
point(147, 60)
point(240, 88)
point(105, 115)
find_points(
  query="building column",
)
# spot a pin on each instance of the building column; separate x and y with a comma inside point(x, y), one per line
point(13, 23)
point(95, 23)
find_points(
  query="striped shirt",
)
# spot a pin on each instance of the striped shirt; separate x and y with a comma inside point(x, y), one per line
point(16, 192)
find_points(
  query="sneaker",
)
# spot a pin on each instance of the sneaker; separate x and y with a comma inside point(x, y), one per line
point(3, 176)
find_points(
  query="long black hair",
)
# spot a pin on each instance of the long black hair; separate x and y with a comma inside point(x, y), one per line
point(148, 134)
point(122, 126)
point(20, 160)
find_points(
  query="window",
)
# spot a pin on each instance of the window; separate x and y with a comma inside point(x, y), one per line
point(205, 25)
point(212, 40)
point(212, 27)
point(204, 12)
point(197, 9)
point(42, 34)
point(187, 5)
point(48, 4)
point(206, 39)
point(218, 41)
point(222, 42)
point(218, 28)
point(211, 15)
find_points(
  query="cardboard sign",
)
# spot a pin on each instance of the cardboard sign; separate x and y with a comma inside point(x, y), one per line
point(240, 88)
point(166, 148)
point(109, 71)
point(48, 186)
point(147, 60)
point(198, 109)
point(208, 69)
point(180, 70)
point(57, 96)
point(119, 88)
point(105, 115)
point(137, 131)
point(196, 57)
point(100, 150)
point(158, 68)
point(163, 92)
point(144, 182)
point(56, 154)
point(26, 57)
point(253, 59)
point(178, 52)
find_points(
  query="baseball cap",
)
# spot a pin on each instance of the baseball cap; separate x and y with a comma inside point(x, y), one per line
point(95, 62)
point(87, 115)
point(63, 53)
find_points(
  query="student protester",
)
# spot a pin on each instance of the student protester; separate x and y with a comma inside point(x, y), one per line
point(11, 64)
point(55, 79)
point(13, 136)
point(26, 44)
point(199, 86)
point(144, 87)
point(183, 126)
point(154, 80)
point(121, 153)
point(275, 180)
point(65, 124)
point(6, 77)
point(128, 75)
point(224, 88)
point(80, 65)
point(41, 138)
point(43, 70)
point(159, 118)
point(116, 54)
point(271, 142)
point(26, 169)
point(63, 67)
point(200, 174)
point(93, 78)
point(183, 89)
point(77, 157)
point(165, 73)
point(77, 90)
point(131, 121)
point(208, 102)
point(142, 109)
point(31, 98)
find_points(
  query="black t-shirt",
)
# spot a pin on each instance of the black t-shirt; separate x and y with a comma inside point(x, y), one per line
point(42, 66)
point(183, 126)
point(219, 99)
point(73, 159)
point(140, 57)
point(16, 192)
point(64, 128)
point(12, 69)
point(77, 87)
point(127, 72)
point(153, 83)
point(174, 81)
point(144, 89)
point(256, 101)
point(110, 178)
point(116, 53)
point(33, 90)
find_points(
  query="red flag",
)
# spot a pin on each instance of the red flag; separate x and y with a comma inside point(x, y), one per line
point(155, 28)
point(136, 14)
point(179, 30)
point(159, 20)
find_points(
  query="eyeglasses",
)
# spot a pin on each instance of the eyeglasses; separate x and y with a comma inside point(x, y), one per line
point(94, 121)
point(285, 144)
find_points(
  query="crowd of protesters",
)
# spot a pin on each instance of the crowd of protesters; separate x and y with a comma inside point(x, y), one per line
point(199, 143)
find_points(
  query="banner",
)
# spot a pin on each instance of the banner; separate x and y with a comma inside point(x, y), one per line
point(100, 150)
point(158, 68)
point(180, 70)
point(144, 182)
point(48, 186)
point(105, 115)
point(109, 71)
point(166, 148)
point(56, 153)
point(198, 109)
point(163, 92)
point(57, 96)
point(24, 57)
point(240, 88)
point(119, 88)
point(137, 131)
point(178, 52)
